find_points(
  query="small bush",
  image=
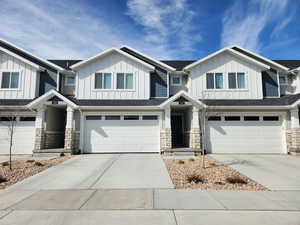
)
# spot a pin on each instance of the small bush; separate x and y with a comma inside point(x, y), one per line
point(219, 183)
point(195, 178)
point(213, 164)
point(180, 162)
point(30, 160)
point(5, 164)
point(192, 159)
point(2, 179)
point(62, 154)
point(235, 180)
point(38, 163)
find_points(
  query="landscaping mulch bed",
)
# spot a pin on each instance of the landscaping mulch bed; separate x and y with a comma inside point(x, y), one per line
point(22, 169)
point(189, 174)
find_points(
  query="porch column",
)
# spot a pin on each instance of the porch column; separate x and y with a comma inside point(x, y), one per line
point(69, 134)
point(293, 135)
point(165, 134)
point(39, 128)
point(195, 138)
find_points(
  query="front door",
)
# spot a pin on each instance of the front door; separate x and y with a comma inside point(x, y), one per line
point(177, 130)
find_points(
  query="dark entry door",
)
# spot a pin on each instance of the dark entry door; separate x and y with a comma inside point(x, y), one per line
point(177, 130)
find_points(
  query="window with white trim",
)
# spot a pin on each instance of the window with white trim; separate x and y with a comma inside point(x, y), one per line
point(10, 80)
point(176, 80)
point(69, 80)
point(214, 80)
point(282, 80)
point(103, 81)
point(236, 81)
point(124, 81)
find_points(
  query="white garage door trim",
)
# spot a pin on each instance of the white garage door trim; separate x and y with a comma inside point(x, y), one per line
point(259, 130)
point(23, 137)
point(148, 137)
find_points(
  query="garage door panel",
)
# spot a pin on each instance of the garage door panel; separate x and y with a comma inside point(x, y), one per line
point(245, 136)
point(122, 136)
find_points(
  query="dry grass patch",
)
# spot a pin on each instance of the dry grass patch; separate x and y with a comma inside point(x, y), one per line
point(188, 174)
point(22, 169)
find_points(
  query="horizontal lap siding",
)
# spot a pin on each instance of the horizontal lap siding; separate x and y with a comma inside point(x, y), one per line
point(27, 81)
point(113, 63)
point(225, 63)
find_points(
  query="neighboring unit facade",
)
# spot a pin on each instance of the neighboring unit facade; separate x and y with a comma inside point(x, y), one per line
point(232, 101)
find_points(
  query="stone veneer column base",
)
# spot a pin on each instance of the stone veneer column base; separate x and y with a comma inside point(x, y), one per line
point(293, 140)
point(165, 139)
point(69, 139)
point(39, 141)
point(195, 138)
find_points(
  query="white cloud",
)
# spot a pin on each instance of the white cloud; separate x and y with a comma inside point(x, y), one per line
point(243, 24)
point(168, 24)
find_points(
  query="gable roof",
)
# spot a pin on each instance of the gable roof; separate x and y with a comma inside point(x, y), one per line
point(259, 57)
point(292, 64)
point(178, 64)
point(80, 63)
point(146, 58)
point(231, 51)
point(50, 94)
point(65, 63)
point(29, 56)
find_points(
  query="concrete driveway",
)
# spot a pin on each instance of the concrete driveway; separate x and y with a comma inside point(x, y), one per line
point(276, 172)
point(112, 171)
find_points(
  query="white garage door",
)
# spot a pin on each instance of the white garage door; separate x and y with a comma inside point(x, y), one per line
point(245, 134)
point(23, 137)
point(118, 133)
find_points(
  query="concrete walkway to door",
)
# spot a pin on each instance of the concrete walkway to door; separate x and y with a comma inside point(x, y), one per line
point(276, 172)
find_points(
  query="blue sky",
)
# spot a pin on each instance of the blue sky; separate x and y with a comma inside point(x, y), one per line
point(163, 29)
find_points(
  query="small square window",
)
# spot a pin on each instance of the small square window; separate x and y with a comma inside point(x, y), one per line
point(27, 119)
point(176, 80)
point(133, 117)
point(93, 117)
point(214, 118)
point(103, 81)
point(112, 117)
point(150, 117)
point(251, 118)
point(10, 80)
point(7, 118)
point(232, 118)
point(271, 118)
point(282, 80)
point(70, 80)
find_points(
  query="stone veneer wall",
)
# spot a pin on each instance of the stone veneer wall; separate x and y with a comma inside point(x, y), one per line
point(293, 140)
point(69, 140)
point(39, 141)
point(76, 141)
point(165, 139)
point(195, 138)
point(54, 139)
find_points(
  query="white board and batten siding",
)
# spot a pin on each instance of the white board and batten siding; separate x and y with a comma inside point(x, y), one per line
point(27, 78)
point(113, 63)
point(225, 63)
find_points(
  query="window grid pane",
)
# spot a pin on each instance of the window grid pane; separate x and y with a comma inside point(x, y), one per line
point(5, 80)
point(129, 81)
point(231, 80)
point(209, 80)
point(131, 117)
point(241, 80)
point(150, 117)
point(219, 80)
point(14, 83)
point(120, 80)
point(98, 80)
point(71, 80)
point(107, 81)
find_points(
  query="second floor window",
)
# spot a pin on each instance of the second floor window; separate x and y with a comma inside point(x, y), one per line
point(10, 80)
point(70, 81)
point(124, 81)
point(214, 80)
point(103, 80)
point(236, 80)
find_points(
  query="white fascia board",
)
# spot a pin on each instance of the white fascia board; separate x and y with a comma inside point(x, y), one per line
point(146, 56)
point(185, 95)
point(20, 58)
point(42, 60)
point(251, 107)
point(232, 51)
point(259, 56)
point(107, 52)
point(42, 99)
point(120, 108)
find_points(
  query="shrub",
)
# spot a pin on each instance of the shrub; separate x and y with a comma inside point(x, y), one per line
point(62, 154)
point(38, 163)
point(192, 159)
point(180, 162)
point(235, 180)
point(213, 164)
point(195, 178)
point(2, 179)
point(30, 160)
point(5, 163)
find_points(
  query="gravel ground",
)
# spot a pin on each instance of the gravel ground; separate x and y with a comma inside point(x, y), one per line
point(213, 176)
point(22, 169)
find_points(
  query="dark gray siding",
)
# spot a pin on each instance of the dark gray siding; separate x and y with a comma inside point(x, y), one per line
point(48, 81)
point(159, 84)
point(270, 83)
